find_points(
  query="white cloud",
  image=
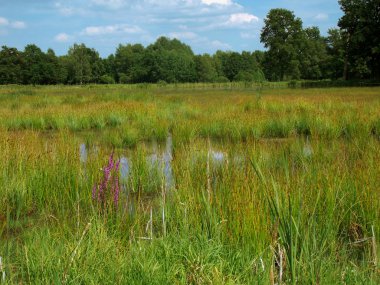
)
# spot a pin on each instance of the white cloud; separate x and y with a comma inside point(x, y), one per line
point(18, 25)
point(14, 25)
point(111, 29)
point(241, 19)
point(62, 38)
point(217, 2)
point(3, 21)
point(321, 17)
point(231, 21)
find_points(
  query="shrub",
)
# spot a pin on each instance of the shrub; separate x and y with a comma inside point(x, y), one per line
point(106, 79)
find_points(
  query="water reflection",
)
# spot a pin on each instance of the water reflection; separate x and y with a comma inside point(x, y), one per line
point(217, 157)
point(307, 149)
point(83, 154)
point(124, 168)
point(162, 162)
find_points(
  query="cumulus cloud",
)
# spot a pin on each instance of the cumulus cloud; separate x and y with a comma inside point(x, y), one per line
point(232, 21)
point(241, 19)
point(111, 29)
point(62, 38)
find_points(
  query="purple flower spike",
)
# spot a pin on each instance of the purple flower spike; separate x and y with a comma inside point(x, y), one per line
point(108, 186)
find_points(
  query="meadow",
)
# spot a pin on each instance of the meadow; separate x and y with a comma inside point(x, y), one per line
point(189, 184)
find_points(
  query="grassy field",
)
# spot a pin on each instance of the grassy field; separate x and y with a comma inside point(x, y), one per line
point(189, 185)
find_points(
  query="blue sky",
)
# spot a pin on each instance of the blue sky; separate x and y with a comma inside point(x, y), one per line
point(206, 25)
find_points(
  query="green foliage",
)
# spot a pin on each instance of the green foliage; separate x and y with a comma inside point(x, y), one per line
point(40, 68)
point(106, 79)
point(360, 26)
point(171, 61)
point(294, 52)
point(335, 61)
point(129, 64)
point(83, 64)
point(10, 66)
point(205, 68)
point(221, 79)
point(282, 35)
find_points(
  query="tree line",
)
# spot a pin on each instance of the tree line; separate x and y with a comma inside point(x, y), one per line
point(351, 51)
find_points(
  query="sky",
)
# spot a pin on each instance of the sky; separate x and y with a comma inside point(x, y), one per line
point(205, 25)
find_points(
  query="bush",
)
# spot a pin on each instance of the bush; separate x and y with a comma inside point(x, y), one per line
point(106, 79)
point(244, 76)
point(221, 79)
point(123, 78)
point(162, 83)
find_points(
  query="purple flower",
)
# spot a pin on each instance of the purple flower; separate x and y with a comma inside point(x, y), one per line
point(108, 186)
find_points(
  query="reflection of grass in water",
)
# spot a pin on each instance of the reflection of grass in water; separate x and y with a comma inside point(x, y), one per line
point(308, 217)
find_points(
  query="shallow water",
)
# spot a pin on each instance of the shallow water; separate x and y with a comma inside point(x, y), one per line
point(159, 161)
point(83, 154)
point(125, 166)
point(307, 148)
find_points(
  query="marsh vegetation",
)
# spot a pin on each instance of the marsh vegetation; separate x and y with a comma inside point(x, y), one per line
point(205, 185)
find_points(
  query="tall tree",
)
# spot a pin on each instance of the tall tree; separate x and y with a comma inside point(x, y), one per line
point(129, 63)
point(83, 64)
point(232, 63)
point(169, 60)
point(54, 70)
point(37, 68)
point(205, 68)
point(10, 65)
point(282, 34)
point(336, 54)
point(360, 25)
point(312, 54)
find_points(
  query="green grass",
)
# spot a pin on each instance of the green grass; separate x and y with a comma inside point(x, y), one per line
point(280, 188)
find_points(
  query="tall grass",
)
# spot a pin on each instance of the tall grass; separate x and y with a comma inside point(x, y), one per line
point(244, 208)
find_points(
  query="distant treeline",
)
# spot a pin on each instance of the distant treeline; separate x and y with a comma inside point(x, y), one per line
point(293, 53)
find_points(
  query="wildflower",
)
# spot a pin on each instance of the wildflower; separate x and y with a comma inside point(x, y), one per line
point(108, 186)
